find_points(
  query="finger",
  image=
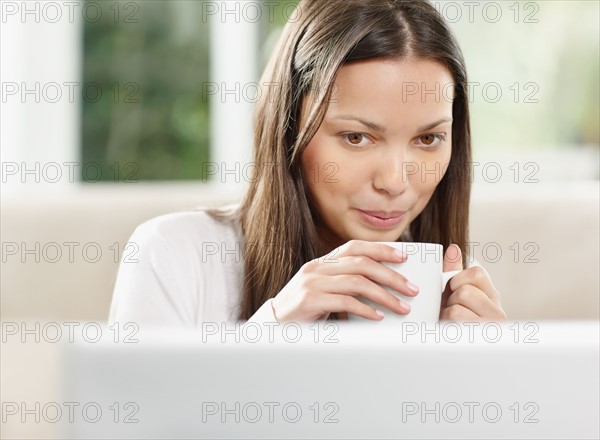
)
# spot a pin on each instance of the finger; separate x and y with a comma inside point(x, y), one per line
point(458, 312)
point(343, 303)
point(477, 301)
point(380, 252)
point(452, 258)
point(373, 270)
point(358, 285)
point(375, 251)
point(478, 277)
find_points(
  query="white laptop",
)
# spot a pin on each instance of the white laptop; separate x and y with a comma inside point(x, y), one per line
point(337, 380)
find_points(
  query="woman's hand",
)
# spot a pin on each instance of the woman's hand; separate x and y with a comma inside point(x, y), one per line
point(469, 295)
point(331, 283)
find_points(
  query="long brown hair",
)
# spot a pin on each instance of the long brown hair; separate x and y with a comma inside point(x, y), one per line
point(276, 219)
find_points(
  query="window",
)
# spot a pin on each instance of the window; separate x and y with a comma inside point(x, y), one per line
point(143, 112)
point(533, 70)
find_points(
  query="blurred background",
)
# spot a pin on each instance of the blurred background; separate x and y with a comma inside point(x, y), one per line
point(115, 112)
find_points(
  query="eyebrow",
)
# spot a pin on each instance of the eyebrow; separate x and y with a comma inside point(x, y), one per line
point(380, 129)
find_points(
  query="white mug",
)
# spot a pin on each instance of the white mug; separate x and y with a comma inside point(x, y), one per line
point(423, 267)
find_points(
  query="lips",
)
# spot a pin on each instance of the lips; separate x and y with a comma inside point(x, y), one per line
point(381, 219)
point(384, 214)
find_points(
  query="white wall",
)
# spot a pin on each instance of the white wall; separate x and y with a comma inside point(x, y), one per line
point(33, 129)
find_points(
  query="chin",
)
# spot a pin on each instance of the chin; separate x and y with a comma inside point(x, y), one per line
point(378, 235)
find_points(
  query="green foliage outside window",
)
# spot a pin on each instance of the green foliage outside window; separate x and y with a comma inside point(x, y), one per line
point(151, 121)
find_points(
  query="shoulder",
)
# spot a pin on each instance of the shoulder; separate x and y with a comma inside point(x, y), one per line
point(185, 228)
point(178, 273)
point(186, 240)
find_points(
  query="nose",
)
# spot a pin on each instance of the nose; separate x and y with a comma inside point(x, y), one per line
point(392, 172)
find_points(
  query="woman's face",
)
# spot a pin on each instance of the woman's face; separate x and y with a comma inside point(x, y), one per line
point(384, 145)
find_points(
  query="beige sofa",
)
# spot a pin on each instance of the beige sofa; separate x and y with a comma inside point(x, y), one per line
point(547, 235)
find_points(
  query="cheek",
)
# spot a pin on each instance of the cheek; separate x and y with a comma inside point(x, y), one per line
point(431, 170)
point(313, 161)
point(306, 159)
point(327, 170)
point(311, 156)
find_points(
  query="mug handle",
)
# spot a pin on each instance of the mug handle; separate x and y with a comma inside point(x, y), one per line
point(446, 276)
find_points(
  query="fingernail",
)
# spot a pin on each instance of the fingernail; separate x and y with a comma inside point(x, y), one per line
point(405, 306)
point(379, 312)
point(412, 287)
point(400, 253)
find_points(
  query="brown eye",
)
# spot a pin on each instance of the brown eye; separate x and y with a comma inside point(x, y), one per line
point(427, 139)
point(355, 137)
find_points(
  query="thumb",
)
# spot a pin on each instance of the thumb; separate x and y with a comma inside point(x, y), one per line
point(452, 258)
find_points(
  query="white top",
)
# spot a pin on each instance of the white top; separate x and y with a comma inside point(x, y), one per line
point(187, 270)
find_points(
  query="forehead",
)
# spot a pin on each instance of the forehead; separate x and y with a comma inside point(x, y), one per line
point(393, 92)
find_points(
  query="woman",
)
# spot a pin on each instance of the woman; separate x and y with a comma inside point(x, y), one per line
point(365, 139)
